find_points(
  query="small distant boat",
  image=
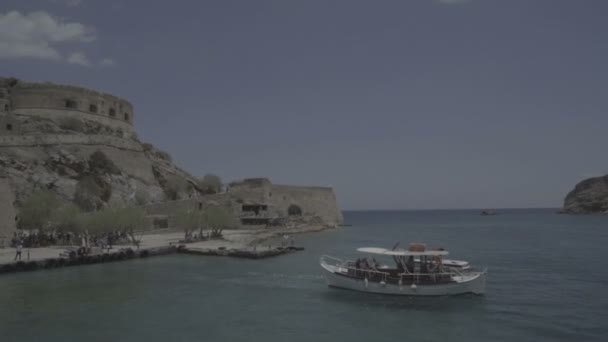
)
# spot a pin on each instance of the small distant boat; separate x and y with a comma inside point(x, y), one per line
point(488, 213)
point(418, 272)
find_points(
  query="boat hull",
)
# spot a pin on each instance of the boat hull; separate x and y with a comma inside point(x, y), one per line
point(468, 283)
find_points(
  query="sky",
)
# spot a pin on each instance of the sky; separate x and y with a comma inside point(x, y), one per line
point(417, 104)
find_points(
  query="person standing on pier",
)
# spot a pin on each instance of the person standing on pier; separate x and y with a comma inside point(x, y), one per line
point(19, 248)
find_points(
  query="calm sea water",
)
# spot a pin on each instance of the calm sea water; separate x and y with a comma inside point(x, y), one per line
point(548, 277)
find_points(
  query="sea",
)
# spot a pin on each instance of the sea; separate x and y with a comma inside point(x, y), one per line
point(547, 281)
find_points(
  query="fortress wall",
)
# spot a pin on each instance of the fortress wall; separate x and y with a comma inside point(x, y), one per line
point(170, 208)
point(313, 201)
point(68, 139)
point(7, 210)
point(4, 105)
point(51, 100)
point(317, 201)
point(55, 114)
point(252, 191)
point(9, 125)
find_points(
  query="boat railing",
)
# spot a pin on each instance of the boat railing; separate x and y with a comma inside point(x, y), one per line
point(348, 267)
point(330, 258)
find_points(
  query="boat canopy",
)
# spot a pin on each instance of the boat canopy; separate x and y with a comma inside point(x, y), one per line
point(399, 252)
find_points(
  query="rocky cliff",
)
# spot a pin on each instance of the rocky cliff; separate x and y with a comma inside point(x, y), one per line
point(87, 165)
point(589, 196)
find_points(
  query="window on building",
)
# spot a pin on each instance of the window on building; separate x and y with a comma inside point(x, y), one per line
point(1, 95)
point(126, 116)
point(112, 112)
point(71, 104)
point(9, 127)
point(93, 108)
point(6, 108)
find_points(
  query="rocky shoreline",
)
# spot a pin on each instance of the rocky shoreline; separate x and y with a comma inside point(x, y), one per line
point(589, 196)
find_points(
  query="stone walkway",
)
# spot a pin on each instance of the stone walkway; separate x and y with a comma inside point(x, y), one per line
point(237, 239)
point(245, 240)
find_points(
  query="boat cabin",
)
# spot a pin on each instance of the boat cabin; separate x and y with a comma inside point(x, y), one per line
point(415, 265)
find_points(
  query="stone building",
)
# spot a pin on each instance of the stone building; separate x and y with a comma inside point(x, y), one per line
point(258, 202)
point(7, 210)
point(53, 101)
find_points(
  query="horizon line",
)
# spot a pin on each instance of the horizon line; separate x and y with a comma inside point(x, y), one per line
point(453, 209)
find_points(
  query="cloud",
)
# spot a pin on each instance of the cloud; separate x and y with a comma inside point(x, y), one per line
point(107, 62)
point(39, 35)
point(79, 58)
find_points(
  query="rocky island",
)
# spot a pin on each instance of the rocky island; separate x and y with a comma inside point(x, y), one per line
point(589, 196)
point(80, 144)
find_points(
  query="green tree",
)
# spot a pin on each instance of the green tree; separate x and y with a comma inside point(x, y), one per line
point(131, 220)
point(210, 184)
point(216, 219)
point(35, 213)
point(189, 220)
point(66, 218)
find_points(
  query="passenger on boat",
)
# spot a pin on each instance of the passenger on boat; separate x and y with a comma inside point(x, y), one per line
point(375, 264)
point(423, 265)
point(435, 264)
point(410, 264)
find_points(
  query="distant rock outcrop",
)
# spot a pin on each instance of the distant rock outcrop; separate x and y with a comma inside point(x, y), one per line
point(589, 196)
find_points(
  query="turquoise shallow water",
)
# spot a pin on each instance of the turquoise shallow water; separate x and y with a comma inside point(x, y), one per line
point(547, 279)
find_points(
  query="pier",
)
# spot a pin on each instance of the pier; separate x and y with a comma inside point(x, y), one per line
point(151, 245)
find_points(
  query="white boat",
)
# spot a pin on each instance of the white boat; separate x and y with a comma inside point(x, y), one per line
point(418, 272)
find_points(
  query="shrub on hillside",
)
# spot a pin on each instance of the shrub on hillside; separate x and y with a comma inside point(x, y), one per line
point(100, 163)
point(210, 184)
point(92, 192)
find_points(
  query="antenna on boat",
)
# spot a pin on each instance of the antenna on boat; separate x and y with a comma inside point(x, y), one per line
point(395, 246)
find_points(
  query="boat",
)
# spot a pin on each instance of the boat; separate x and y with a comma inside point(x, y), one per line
point(417, 272)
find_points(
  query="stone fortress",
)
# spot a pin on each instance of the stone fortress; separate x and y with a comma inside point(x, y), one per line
point(22, 100)
point(258, 202)
point(51, 135)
